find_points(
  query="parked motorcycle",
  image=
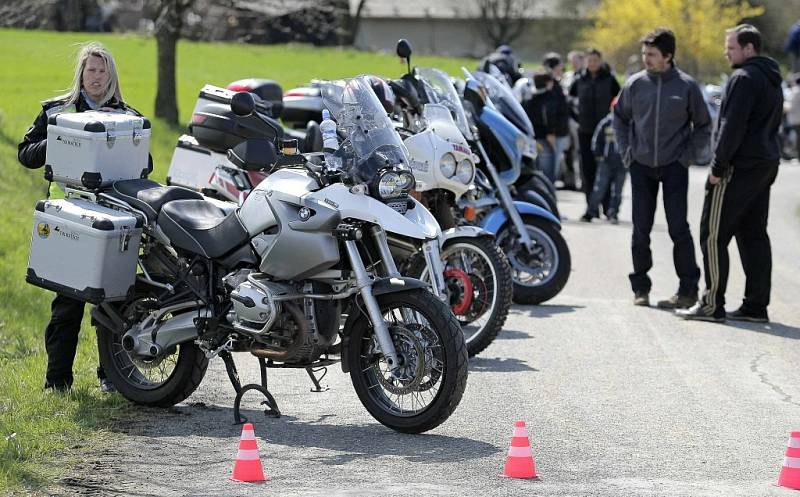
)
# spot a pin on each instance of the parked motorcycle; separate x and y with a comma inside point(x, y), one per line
point(477, 275)
point(276, 276)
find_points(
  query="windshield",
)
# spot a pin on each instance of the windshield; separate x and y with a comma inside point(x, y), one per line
point(371, 141)
point(445, 93)
point(505, 100)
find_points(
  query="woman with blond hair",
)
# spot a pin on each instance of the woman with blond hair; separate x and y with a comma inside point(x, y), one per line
point(95, 86)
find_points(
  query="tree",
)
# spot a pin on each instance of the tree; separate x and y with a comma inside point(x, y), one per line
point(168, 23)
point(503, 20)
point(699, 27)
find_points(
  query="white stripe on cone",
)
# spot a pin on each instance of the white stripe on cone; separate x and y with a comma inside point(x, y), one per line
point(520, 452)
point(248, 435)
point(247, 454)
point(791, 462)
point(794, 443)
point(520, 432)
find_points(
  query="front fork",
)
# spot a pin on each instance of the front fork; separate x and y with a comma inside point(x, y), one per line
point(364, 283)
point(507, 201)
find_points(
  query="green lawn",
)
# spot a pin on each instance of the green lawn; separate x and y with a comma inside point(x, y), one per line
point(41, 434)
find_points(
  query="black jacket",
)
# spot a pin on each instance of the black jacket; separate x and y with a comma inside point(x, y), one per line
point(32, 151)
point(594, 97)
point(549, 112)
point(747, 130)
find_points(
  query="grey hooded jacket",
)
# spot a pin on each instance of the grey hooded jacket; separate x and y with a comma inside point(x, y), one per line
point(661, 118)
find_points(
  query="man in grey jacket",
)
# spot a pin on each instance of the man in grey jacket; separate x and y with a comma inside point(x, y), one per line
point(662, 124)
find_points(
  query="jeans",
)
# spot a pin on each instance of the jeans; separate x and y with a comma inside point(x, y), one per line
point(645, 182)
point(609, 181)
point(550, 156)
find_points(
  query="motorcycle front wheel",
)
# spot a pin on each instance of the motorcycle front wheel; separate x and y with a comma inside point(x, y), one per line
point(425, 390)
point(539, 274)
point(479, 287)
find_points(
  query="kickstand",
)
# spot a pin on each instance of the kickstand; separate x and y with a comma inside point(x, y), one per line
point(316, 381)
point(272, 406)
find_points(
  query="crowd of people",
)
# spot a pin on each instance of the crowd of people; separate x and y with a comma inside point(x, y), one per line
point(653, 128)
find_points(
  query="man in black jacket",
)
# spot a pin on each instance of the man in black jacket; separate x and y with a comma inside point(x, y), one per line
point(745, 165)
point(594, 88)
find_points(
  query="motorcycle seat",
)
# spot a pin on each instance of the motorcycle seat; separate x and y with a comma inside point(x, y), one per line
point(149, 196)
point(201, 227)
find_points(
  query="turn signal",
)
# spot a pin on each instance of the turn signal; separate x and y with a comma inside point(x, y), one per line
point(469, 213)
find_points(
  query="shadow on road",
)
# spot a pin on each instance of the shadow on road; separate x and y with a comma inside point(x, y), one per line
point(176, 431)
point(513, 335)
point(498, 365)
point(776, 329)
point(547, 310)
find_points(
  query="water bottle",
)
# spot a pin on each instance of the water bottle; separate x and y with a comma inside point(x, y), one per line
point(330, 140)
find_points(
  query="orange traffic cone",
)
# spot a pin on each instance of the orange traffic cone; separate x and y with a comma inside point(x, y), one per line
point(519, 463)
point(248, 463)
point(790, 472)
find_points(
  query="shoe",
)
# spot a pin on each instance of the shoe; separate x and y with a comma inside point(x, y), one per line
point(641, 299)
point(586, 218)
point(58, 387)
point(696, 313)
point(740, 315)
point(613, 220)
point(106, 386)
point(677, 302)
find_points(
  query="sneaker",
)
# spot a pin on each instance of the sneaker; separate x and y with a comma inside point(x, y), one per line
point(106, 386)
point(641, 299)
point(586, 218)
point(697, 313)
point(613, 220)
point(677, 302)
point(740, 315)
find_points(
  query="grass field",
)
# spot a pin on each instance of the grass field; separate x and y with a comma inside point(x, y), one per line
point(42, 434)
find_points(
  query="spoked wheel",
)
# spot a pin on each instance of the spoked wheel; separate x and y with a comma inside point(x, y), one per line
point(539, 274)
point(161, 381)
point(426, 388)
point(479, 287)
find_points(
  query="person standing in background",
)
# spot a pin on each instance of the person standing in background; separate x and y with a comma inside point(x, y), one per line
point(594, 88)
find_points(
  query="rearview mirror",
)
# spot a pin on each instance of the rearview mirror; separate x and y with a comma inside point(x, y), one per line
point(243, 103)
point(403, 48)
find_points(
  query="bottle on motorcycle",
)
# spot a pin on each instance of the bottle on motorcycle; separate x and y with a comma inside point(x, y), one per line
point(330, 140)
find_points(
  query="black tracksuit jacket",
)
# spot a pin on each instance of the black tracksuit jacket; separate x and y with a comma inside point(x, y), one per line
point(747, 134)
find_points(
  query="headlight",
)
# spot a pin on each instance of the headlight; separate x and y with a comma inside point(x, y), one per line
point(465, 171)
point(448, 165)
point(392, 184)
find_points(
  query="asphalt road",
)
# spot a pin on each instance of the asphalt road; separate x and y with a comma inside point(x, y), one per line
point(619, 400)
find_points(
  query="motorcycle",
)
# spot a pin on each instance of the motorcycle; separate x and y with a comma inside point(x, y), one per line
point(528, 234)
point(304, 260)
point(200, 161)
point(532, 184)
point(477, 275)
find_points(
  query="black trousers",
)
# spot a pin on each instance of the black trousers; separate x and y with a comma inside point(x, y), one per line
point(61, 341)
point(645, 182)
point(738, 206)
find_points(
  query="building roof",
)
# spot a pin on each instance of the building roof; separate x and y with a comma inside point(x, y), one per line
point(464, 9)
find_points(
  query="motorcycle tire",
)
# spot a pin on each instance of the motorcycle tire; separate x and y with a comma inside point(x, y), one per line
point(486, 249)
point(189, 362)
point(450, 354)
point(548, 239)
point(540, 186)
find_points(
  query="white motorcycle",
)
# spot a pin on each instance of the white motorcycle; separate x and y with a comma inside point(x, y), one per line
point(276, 276)
point(477, 274)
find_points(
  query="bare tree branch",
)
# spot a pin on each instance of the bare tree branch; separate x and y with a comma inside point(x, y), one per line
point(504, 20)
